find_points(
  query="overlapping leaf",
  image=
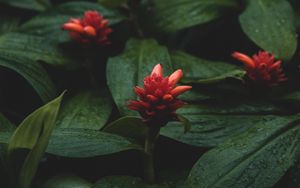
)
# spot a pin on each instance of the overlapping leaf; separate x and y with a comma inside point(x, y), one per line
point(31, 47)
point(49, 24)
point(128, 126)
point(125, 182)
point(270, 24)
point(38, 5)
point(257, 158)
point(33, 133)
point(128, 70)
point(82, 143)
point(89, 110)
point(212, 124)
point(33, 72)
point(204, 71)
point(173, 15)
point(66, 181)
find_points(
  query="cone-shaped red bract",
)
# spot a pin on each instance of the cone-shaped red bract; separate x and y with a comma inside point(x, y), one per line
point(262, 68)
point(91, 29)
point(158, 101)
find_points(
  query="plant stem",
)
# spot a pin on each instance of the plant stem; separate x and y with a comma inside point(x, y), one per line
point(149, 172)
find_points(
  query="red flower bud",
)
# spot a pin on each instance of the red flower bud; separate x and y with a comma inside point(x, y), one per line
point(262, 68)
point(92, 28)
point(157, 102)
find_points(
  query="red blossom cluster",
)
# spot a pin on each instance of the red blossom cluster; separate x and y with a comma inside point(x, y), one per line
point(262, 68)
point(158, 99)
point(91, 29)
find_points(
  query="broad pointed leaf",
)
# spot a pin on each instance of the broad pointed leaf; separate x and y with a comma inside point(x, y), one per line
point(32, 48)
point(33, 133)
point(33, 72)
point(128, 70)
point(38, 5)
point(212, 124)
point(49, 24)
point(88, 110)
point(257, 158)
point(82, 143)
point(270, 24)
point(204, 71)
point(173, 15)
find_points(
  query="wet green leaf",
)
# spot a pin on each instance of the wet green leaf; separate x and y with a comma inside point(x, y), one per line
point(8, 24)
point(49, 24)
point(173, 15)
point(131, 127)
point(87, 110)
point(270, 24)
point(204, 71)
point(128, 70)
point(33, 72)
point(38, 5)
point(34, 48)
point(212, 124)
point(256, 158)
point(82, 143)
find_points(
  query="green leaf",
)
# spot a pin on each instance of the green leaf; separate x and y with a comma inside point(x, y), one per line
point(87, 110)
point(212, 124)
point(4, 138)
point(33, 133)
point(38, 5)
point(112, 3)
point(270, 24)
point(173, 15)
point(33, 48)
point(66, 181)
point(8, 24)
point(198, 70)
point(5, 124)
point(118, 182)
point(82, 143)
point(33, 72)
point(49, 23)
point(131, 127)
point(128, 70)
point(124, 182)
point(293, 180)
point(293, 97)
point(185, 122)
point(257, 158)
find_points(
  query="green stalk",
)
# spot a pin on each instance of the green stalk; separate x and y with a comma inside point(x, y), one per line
point(149, 172)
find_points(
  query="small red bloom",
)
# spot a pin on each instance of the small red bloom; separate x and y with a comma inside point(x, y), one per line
point(92, 28)
point(158, 102)
point(262, 68)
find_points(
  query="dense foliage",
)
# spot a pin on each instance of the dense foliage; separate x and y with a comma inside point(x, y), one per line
point(68, 70)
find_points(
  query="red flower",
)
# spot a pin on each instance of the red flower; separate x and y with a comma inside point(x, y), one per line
point(158, 102)
point(92, 28)
point(262, 68)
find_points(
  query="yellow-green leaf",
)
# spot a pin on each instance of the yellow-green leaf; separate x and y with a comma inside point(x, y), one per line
point(33, 133)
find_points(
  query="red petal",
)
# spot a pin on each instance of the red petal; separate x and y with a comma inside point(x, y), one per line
point(89, 30)
point(73, 27)
point(157, 70)
point(244, 59)
point(175, 77)
point(168, 97)
point(179, 90)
